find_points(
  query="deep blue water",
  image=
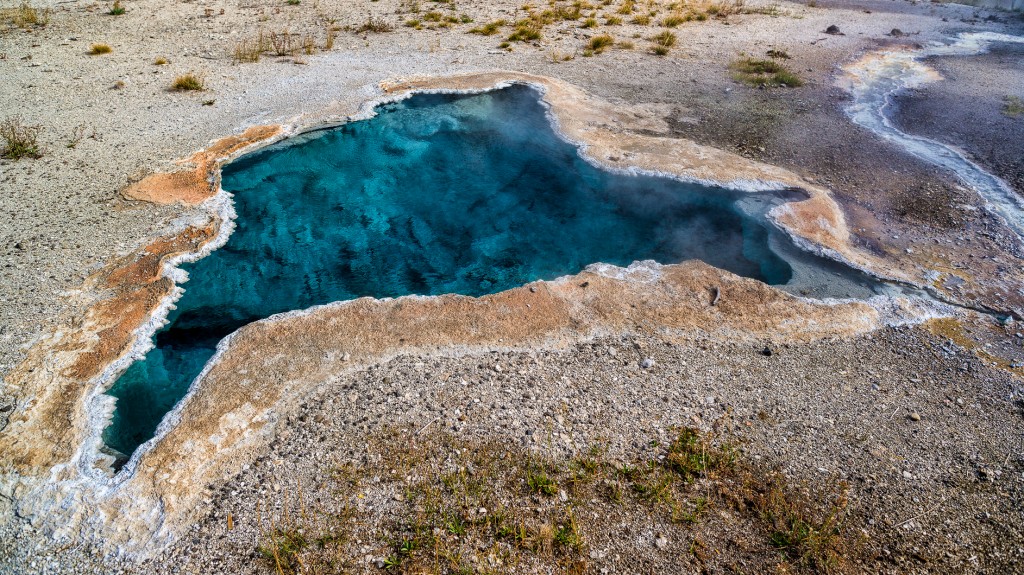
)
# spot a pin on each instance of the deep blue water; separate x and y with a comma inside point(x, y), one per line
point(436, 194)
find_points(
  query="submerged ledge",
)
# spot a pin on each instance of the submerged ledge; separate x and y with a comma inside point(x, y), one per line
point(232, 409)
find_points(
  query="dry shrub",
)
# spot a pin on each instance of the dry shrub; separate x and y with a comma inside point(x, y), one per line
point(20, 140)
point(26, 16)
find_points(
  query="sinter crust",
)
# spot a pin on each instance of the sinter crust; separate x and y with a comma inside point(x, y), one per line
point(267, 367)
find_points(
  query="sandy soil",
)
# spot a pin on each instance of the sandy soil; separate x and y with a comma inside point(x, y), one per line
point(64, 216)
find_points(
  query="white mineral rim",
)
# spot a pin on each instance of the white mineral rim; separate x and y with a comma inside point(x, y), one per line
point(878, 76)
point(58, 502)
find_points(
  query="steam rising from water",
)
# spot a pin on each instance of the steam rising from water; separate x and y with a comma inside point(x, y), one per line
point(874, 79)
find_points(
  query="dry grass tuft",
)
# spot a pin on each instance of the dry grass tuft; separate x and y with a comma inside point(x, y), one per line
point(26, 16)
point(247, 50)
point(489, 29)
point(375, 25)
point(188, 83)
point(600, 43)
point(98, 49)
point(526, 31)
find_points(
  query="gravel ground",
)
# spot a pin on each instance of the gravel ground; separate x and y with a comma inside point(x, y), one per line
point(928, 439)
point(936, 494)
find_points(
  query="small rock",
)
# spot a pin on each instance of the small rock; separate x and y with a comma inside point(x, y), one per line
point(647, 363)
point(661, 542)
point(767, 352)
point(833, 29)
point(915, 416)
point(896, 33)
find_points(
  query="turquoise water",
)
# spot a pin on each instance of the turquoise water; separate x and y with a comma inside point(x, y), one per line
point(436, 194)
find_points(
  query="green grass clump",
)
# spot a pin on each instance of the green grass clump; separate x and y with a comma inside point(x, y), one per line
point(456, 503)
point(188, 82)
point(525, 32)
point(539, 482)
point(691, 457)
point(600, 43)
point(283, 551)
point(19, 139)
point(488, 29)
point(672, 21)
point(810, 537)
point(663, 42)
point(666, 39)
point(767, 73)
point(117, 8)
point(1013, 106)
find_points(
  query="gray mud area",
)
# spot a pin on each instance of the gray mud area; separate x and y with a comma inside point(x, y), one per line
point(973, 109)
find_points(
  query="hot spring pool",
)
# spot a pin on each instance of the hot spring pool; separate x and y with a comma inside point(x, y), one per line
point(467, 194)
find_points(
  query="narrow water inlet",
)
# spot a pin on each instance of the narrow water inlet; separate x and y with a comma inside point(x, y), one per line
point(466, 194)
point(872, 82)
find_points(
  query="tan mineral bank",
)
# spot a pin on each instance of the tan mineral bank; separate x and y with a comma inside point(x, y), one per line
point(652, 418)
